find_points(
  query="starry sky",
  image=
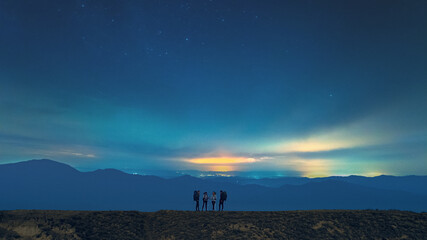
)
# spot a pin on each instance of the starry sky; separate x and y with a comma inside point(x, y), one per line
point(293, 88)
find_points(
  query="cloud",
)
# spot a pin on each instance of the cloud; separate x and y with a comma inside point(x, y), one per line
point(364, 132)
point(85, 155)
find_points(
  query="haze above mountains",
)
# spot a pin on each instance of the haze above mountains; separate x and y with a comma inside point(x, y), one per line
point(46, 184)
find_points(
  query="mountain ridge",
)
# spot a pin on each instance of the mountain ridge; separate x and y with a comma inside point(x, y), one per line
point(59, 186)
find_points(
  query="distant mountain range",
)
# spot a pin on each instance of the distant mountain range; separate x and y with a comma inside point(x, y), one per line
point(46, 184)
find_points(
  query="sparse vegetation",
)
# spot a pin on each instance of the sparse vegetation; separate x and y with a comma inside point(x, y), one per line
point(316, 224)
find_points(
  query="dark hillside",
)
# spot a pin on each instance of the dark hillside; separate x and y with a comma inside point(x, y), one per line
point(319, 224)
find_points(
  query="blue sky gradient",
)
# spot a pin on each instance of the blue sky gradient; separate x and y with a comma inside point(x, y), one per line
point(313, 88)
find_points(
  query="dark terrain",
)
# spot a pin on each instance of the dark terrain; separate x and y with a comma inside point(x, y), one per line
point(316, 224)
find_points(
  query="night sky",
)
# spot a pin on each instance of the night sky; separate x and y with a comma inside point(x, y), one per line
point(295, 88)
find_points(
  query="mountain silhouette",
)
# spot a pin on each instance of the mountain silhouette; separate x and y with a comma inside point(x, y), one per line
point(412, 184)
point(46, 184)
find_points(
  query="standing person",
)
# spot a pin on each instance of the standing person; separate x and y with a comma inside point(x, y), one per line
point(205, 201)
point(196, 197)
point(221, 200)
point(213, 200)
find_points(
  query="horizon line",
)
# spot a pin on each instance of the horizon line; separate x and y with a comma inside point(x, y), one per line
point(182, 173)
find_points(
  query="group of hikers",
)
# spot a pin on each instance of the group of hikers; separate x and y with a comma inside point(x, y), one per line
point(222, 199)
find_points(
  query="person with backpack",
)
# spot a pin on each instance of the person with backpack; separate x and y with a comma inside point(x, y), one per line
point(222, 199)
point(205, 201)
point(213, 200)
point(196, 196)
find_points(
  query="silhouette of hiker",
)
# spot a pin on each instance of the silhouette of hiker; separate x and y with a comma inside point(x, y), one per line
point(196, 197)
point(222, 198)
point(213, 200)
point(205, 201)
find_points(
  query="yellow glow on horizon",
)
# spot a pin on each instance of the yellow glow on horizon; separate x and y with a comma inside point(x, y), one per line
point(311, 167)
point(373, 174)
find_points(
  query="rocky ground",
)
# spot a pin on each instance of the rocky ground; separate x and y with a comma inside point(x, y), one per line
point(319, 224)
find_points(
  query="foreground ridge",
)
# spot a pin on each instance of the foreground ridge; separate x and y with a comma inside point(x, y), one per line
point(166, 224)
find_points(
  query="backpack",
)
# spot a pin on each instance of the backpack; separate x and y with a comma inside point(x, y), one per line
point(196, 196)
point(225, 195)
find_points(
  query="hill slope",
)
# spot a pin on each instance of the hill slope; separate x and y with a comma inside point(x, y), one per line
point(325, 224)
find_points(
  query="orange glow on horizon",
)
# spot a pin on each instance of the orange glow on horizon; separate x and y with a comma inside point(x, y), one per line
point(221, 168)
point(221, 160)
point(221, 163)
